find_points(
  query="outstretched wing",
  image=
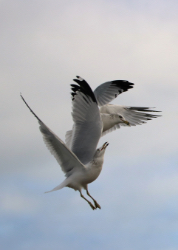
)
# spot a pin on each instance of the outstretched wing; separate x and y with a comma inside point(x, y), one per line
point(66, 159)
point(108, 91)
point(134, 115)
point(87, 126)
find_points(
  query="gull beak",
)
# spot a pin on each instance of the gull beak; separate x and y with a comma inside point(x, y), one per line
point(126, 122)
point(105, 145)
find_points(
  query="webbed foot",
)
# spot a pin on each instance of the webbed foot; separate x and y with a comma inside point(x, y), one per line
point(97, 205)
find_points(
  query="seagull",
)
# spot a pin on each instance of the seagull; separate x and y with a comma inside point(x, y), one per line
point(108, 91)
point(112, 116)
point(88, 125)
point(88, 122)
point(133, 115)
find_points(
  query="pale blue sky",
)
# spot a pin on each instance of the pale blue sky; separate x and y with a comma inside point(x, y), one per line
point(44, 45)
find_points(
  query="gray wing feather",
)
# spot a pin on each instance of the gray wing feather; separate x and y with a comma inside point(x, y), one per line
point(86, 129)
point(66, 159)
point(68, 138)
point(108, 91)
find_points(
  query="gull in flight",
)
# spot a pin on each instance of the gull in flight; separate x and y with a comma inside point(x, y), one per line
point(88, 125)
point(108, 91)
point(112, 116)
point(88, 122)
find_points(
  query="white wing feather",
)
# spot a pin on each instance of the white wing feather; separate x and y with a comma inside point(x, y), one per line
point(66, 159)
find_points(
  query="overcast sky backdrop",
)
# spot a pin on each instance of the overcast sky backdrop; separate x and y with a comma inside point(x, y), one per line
point(43, 46)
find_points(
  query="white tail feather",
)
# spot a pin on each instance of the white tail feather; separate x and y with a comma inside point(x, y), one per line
point(60, 186)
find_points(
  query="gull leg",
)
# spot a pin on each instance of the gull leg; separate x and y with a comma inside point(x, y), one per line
point(96, 203)
point(91, 205)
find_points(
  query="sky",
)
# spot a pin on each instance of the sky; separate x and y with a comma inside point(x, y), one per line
point(44, 45)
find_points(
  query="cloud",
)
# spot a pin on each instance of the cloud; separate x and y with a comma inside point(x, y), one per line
point(44, 45)
point(17, 204)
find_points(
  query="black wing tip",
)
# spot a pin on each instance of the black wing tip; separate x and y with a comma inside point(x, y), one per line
point(79, 79)
point(30, 108)
point(83, 87)
point(21, 96)
point(124, 85)
point(144, 109)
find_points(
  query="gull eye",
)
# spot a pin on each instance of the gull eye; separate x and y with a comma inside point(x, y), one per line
point(120, 116)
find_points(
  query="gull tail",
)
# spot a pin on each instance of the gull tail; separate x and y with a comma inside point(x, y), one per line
point(60, 186)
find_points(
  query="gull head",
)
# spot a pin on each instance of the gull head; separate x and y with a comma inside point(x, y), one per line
point(122, 120)
point(99, 155)
point(100, 151)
